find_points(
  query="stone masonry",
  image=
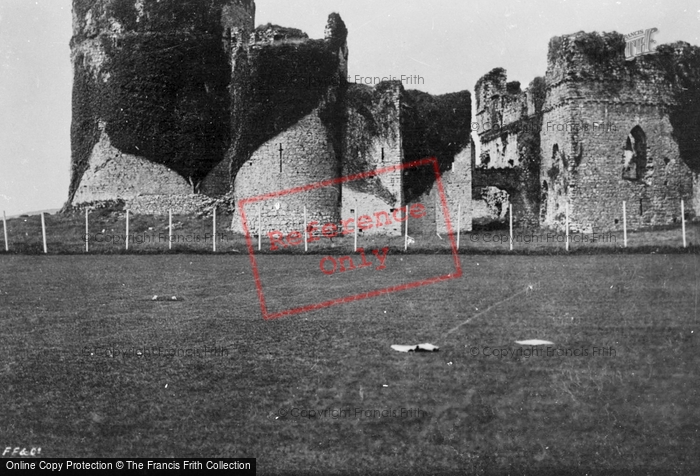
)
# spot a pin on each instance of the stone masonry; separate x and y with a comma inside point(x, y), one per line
point(607, 139)
point(307, 157)
point(384, 192)
point(232, 111)
point(604, 133)
point(507, 123)
point(145, 122)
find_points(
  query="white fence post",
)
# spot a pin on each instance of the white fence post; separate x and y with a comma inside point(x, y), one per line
point(567, 225)
point(459, 222)
point(510, 219)
point(405, 236)
point(43, 232)
point(683, 222)
point(355, 227)
point(624, 222)
point(170, 229)
point(4, 229)
point(259, 227)
point(214, 226)
point(87, 232)
point(306, 241)
point(127, 229)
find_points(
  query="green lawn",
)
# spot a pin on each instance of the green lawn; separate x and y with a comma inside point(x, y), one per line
point(471, 411)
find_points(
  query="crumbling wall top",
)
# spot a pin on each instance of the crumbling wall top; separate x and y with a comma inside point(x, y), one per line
point(336, 31)
point(272, 34)
point(118, 17)
point(499, 102)
point(489, 85)
point(597, 56)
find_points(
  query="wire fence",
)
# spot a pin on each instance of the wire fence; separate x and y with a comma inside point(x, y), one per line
point(101, 231)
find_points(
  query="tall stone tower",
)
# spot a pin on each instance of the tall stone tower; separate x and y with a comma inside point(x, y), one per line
point(609, 134)
point(151, 104)
point(373, 141)
point(287, 113)
point(508, 122)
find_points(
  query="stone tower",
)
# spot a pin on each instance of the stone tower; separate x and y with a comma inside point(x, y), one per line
point(287, 115)
point(508, 127)
point(151, 105)
point(373, 141)
point(608, 135)
point(174, 100)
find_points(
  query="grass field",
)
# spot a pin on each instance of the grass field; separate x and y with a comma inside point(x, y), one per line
point(73, 385)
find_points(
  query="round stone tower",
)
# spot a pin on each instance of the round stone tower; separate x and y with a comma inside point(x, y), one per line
point(151, 103)
point(610, 134)
point(287, 95)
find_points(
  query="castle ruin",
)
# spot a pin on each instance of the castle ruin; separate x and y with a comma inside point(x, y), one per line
point(596, 131)
point(178, 101)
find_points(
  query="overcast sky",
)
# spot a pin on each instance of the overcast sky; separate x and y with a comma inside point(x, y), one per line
point(449, 43)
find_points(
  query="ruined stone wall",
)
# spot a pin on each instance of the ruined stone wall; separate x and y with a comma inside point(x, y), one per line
point(556, 149)
point(588, 170)
point(279, 81)
point(175, 98)
point(509, 122)
point(145, 187)
point(372, 141)
point(500, 151)
point(490, 208)
point(114, 175)
point(368, 204)
point(487, 94)
point(514, 107)
point(198, 205)
point(493, 191)
point(596, 104)
point(595, 100)
point(287, 93)
point(218, 181)
point(279, 76)
point(498, 102)
point(308, 157)
point(433, 126)
point(457, 187)
point(427, 225)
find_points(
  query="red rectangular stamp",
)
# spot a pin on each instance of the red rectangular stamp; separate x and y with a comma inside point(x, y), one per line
point(289, 229)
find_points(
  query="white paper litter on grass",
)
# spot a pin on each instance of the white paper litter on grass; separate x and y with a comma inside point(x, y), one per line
point(416, 348)
point(166, 298)
point(534, 342)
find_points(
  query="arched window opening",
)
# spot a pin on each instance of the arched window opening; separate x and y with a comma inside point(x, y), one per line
point(543, 200)
point(472, 145)
point(635, 155)
point(555, 166)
